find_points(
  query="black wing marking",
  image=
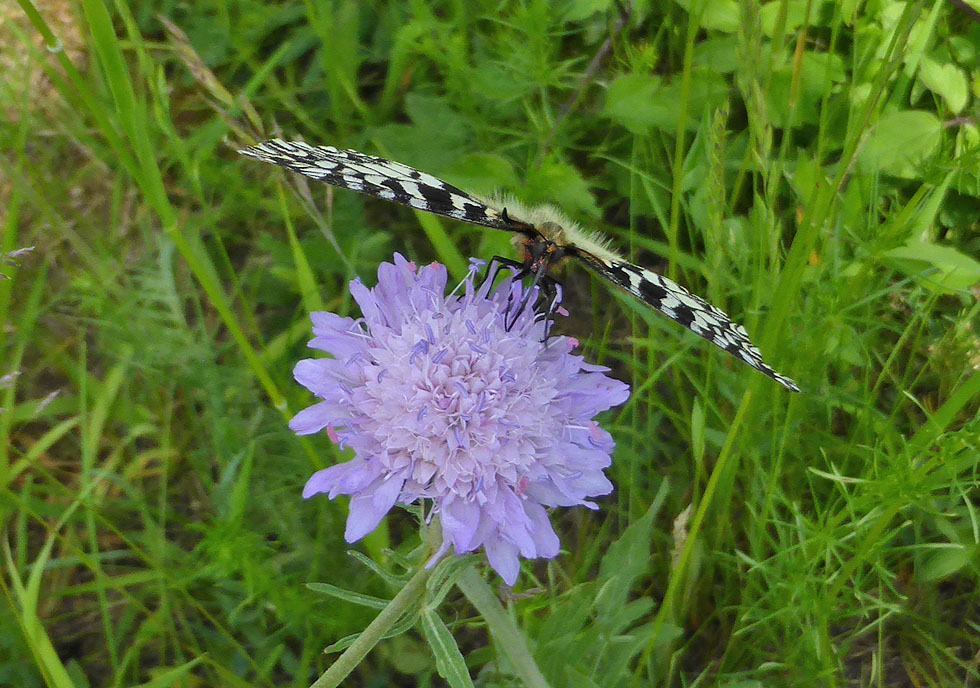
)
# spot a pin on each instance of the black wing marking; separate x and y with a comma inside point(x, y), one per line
point(386, 179)
point(680, 305)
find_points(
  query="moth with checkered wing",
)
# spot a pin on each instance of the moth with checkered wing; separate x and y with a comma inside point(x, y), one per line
point(545, 236)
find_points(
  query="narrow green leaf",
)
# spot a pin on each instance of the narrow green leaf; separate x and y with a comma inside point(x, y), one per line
point(449, 660)
point(697, 431)
point(172, 677)
point(349, 596)
point(403, 625)
point(35, 634)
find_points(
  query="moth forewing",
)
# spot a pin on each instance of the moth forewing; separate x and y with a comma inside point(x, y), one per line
point(373, 176)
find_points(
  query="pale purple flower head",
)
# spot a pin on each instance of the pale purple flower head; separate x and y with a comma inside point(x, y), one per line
point(439, 399)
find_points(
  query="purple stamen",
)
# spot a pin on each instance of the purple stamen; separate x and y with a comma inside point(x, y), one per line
point(421, 347)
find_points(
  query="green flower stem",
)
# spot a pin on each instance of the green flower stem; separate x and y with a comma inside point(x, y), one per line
point(508, 636)
point(352, 656)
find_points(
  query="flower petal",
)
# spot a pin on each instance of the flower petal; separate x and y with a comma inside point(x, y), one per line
point(502, 556)
point(344, 478)
point(326, 323)
point(545, 539)
point(460, 519)
point(365, 299)
point(315, 418)
point(369, 507)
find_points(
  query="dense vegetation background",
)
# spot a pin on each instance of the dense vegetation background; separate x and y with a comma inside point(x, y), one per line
point(809, 166)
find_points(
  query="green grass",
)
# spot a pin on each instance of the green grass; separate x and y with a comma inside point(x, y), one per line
point(811, 167)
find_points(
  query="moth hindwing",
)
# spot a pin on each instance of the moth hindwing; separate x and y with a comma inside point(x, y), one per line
point(547, 233)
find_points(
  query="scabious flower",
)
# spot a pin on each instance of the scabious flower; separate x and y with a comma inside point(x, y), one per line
point(440, 400)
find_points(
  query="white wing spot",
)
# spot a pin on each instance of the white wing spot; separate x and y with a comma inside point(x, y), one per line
point(353, 183)
point(375, 179)
point(412, 189)
point(400, 168)
point(688, 300)
point(458, 201)
point(352, 167)
point(315, 172)
point(429, 180)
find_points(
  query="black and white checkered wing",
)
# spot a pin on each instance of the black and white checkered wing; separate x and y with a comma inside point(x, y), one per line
point(386, 179)
point(691, 311)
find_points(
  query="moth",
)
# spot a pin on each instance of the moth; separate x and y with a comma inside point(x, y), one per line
point(545, 236)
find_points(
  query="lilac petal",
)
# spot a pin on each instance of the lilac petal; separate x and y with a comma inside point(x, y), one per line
point(314, 419)
point(326, 323)
point(593, 483)
point(390, 294)
point(460, 519)
point(433, 278)
point(398, 286)
point(408, 266)
point(368, 508)
point(545, 539)
point(343, 478)
point(341, 346)
point(502, 556)
point(317, 375)
point(517, 526)
point(544, 492)
point(365, 299)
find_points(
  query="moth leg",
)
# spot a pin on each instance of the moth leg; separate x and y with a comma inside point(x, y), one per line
point(549, 298)
point(549, 291)
point(498, 263)
point(537, 280)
